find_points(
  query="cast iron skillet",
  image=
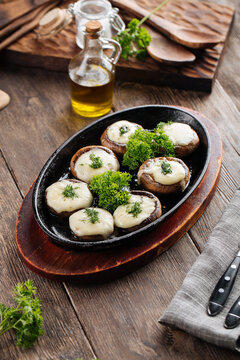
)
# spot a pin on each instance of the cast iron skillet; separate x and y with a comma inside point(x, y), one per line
point(57, 167)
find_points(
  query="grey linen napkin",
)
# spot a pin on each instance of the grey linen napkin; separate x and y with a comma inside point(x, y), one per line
point(187, 310)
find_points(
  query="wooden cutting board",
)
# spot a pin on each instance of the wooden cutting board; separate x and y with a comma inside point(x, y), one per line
point(55, 53)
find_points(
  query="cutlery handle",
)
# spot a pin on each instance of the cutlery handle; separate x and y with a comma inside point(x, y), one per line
point(233, 317)
point(222, 289)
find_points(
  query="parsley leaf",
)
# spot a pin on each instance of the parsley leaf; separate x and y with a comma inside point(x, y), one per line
point(111, 188)
point(96, 161)
point(26, 318)
point(135, 209)
point(123, 130)
point(92, 215)
point(134, 40)
point(69, 192)
point(166, 167)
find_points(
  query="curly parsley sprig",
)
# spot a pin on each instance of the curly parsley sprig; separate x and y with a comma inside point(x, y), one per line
point(134, 40)
point(111, 188)
point(25, 318)
point(144, 145)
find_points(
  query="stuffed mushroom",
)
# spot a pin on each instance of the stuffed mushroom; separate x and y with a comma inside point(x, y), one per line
point(92, 224)
point(93, 160)
point(164, 175)
point(184, 138)
point(143, 208)
point(66, 196)
point(116, 136)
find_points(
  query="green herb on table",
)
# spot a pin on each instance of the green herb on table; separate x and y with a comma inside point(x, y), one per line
point(166, 167)
point(111, 188)
point(96, 161)
point(144, 145)
point(134, 209)
point(25, 318)
point(69, 192)
point(123, 130)
point(92, 215)
point(135, 39)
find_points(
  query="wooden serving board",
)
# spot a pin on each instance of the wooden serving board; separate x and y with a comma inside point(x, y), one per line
point(55, 53)
point(54, 262)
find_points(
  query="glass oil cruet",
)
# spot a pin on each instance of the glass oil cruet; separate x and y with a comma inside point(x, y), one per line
point(92, 73)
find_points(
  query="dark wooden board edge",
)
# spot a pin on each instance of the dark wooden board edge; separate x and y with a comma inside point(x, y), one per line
point(177, 81)
point(143, 251)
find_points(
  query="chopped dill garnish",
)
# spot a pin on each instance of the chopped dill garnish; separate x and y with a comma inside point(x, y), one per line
point(135, 209)
point(144, 145)
point(123, 130)
point(96, 161)
point(69, 192)
point(166, 168)
point(92, 215)
point(111, 188)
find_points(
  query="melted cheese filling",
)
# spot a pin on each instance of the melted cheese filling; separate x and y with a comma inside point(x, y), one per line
point(85, 172)
point(154, 168)
point(59, 203)
point(180, 134)
point(114, 134)
point(124, 220)
point(81, 225)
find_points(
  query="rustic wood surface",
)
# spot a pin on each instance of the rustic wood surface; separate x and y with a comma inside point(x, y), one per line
point(117, 320)
point(15, 9)
point(55, 52)
point(31, 22)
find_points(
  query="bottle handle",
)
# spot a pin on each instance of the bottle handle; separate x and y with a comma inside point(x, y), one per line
point(114, 46)
point(70, 9)
point(116, 21)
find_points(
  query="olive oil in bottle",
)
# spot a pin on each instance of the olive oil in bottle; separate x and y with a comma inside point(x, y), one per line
point(92, 94)
point(92, 73)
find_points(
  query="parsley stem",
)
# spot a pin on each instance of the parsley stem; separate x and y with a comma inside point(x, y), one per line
point(5, 330)
point(152, 12)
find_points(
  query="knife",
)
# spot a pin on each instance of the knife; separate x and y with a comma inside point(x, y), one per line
point(223, 288)
point(233, 317)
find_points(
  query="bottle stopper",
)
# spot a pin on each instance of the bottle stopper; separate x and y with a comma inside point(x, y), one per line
point(93, 27)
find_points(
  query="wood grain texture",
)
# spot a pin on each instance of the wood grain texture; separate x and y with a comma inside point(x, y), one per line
point(55, 53)
point(64, 336)
point(28, 26)
point(125, 312)
point(229, 75)
point(15, 9)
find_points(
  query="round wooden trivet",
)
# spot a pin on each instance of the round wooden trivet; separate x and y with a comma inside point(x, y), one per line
point(54, 262)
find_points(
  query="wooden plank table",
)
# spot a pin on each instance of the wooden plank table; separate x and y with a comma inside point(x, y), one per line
point(116, 320)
